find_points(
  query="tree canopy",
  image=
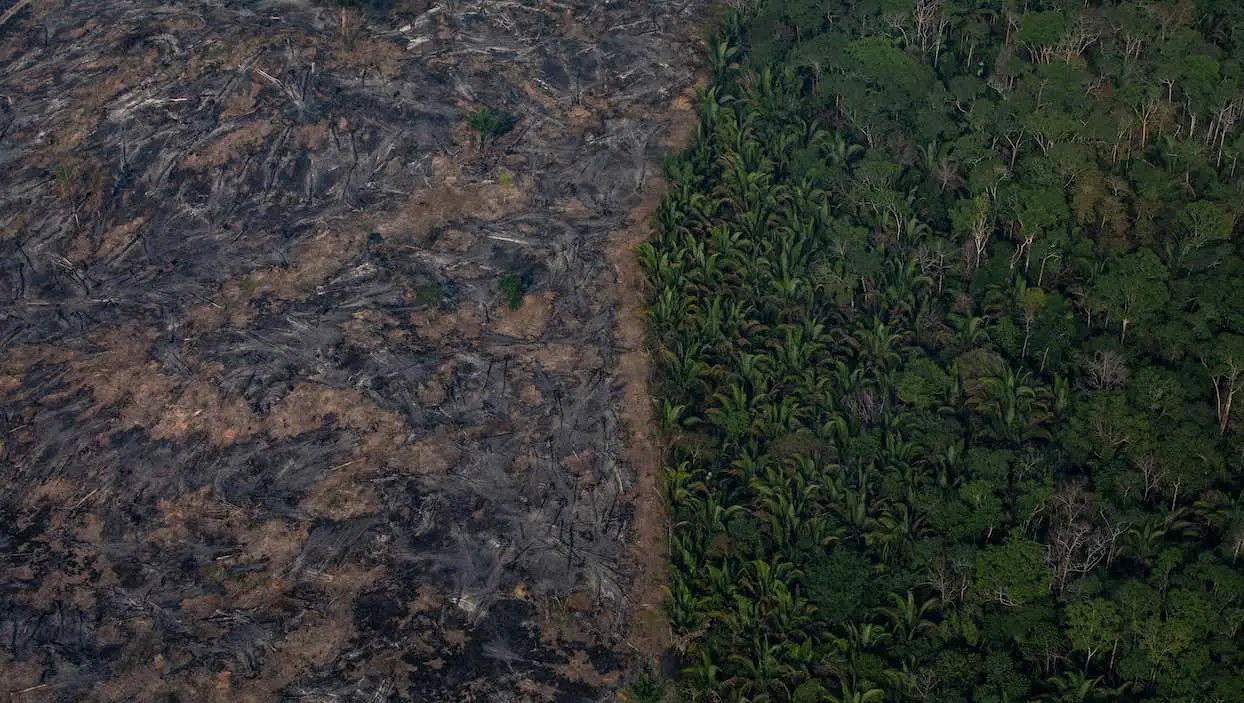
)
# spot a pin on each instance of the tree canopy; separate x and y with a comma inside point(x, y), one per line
point(947, 346)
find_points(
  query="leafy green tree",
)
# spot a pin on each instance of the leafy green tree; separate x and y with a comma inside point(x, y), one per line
point(1093, 626)
point(1197, 224)
point(1133, 291)
point(1012, 574)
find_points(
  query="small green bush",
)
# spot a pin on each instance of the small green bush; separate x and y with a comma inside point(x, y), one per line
point(646, 687)
point(512, 287)
point(488, 122)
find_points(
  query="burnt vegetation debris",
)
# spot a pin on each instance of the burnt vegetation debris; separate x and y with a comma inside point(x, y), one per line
point(267, 429)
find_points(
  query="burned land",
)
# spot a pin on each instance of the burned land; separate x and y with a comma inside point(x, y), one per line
point(270, 428)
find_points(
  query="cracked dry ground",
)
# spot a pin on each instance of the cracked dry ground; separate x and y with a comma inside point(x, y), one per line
point(267, 429)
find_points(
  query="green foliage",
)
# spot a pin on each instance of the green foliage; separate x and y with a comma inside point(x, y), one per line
point(1093, 626)
point(949, 347)
point(1012, 574)
point(921, 384)
point(512, 287)
point(838, 583)
point(646, 687)
point(489, 123)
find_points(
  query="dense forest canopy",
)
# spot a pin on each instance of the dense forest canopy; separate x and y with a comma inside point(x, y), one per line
point(948, 344)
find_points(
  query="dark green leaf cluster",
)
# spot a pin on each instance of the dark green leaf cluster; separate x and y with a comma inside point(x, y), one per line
point(488, 122)
point(947, 340)
point(512, 288)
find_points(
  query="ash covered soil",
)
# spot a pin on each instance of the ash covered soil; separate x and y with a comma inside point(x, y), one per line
point(268, 428)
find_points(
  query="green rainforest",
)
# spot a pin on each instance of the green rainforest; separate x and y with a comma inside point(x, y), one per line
point(947, 329)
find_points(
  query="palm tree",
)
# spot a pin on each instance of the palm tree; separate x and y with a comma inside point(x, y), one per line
point(723, 578)
point(681, 484)
point(728, 243)
point(970, 331)
point(1016, 408)
point(710, 515)
point(903, 282)
point(671, 417)
point(855, 510)
point(744, 467)
point(733, 414)
point(778, 419)
point(831, 425)
point(908, 617)
point(701, 277)
point(853, 695)
point(754, 224)
point(1224, 515)
point(721, 58)
point(662, 269)
point(684, 376)
point(669, 311)
point(947, 465)
point(876, 348)
point(835, 147)
point(865, 636)
point(789, 613)
point(810, 385)
point(799, 345)
point(1072, 687)
point(762, 674)
point(760, 579)
point(767, 90)
point(789, 292)
point(787, 502)
point(896, 525)
point(1145, 540)
point(702, 673)
point(733, 24)
point(686, 609)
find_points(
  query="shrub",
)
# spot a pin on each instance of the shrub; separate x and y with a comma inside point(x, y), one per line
point(488, 122)
point(512, 287)
point(646, 687)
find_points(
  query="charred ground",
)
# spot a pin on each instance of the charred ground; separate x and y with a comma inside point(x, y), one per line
point(268, 429)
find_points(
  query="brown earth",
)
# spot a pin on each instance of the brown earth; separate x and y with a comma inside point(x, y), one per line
point(268, 430)
point(650, 634)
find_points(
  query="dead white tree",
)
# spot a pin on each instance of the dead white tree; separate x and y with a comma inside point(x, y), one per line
point(1220, 126)
point(932, 260)
point(1226, 377)
point(976, 242)
point(949, 577)
point(1079, 37)
point(1154, 475)
point(1079, 537)
point(931, 23)
point(1105, 371)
